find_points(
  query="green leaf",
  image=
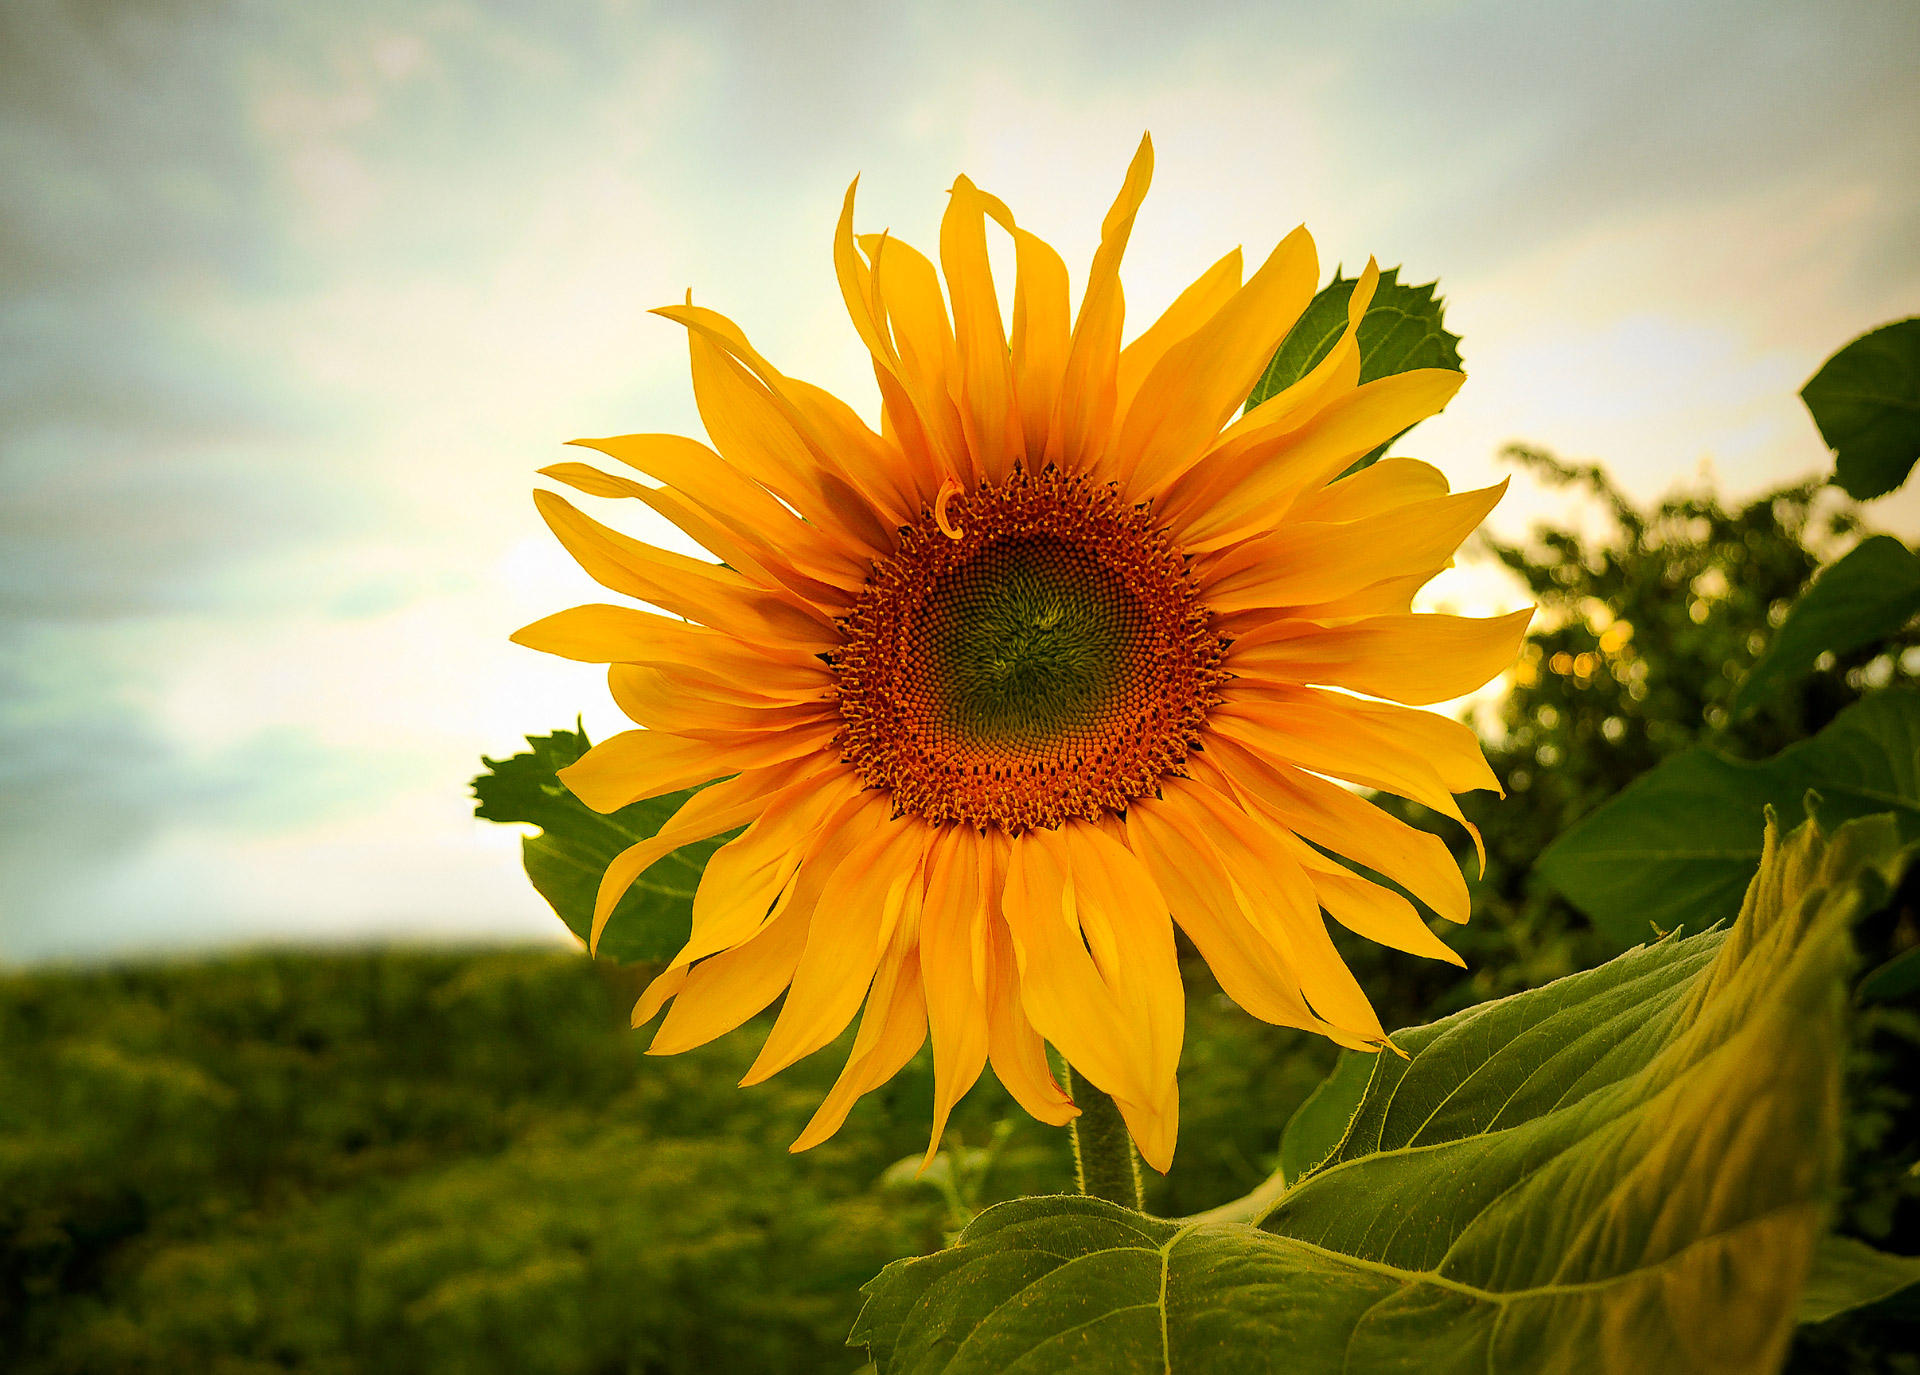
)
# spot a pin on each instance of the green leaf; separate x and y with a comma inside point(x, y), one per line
point(1866, 401)
point(576, 843)
point(1041, 1285)
point(1851, 1274)
point(1623, 1170)
point(1677, 845)
point(1869, 594)
point(1318, 1125)
point(1896, 978)
point(1403, 329)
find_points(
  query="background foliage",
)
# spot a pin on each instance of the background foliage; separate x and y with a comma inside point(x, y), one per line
point(438, 1162)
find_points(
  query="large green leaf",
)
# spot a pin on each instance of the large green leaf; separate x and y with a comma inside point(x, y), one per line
point(1404, 329)
point(1870, 593)
point(1896, 978)
point(576, 843)
point(1621, 1171)
point(1866, 401)
point(1678, 844)
point(1318, 1125)
point(1850, 1274)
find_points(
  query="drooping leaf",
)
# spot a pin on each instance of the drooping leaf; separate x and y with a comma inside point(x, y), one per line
point(1870, 593)
point(1676, 846)
point(1850, 1274)
point(1623, 1170)
point(1896, 978)
point(1866, 401)
point(1404, 329)
point(576, 843)
point(1316, 1128)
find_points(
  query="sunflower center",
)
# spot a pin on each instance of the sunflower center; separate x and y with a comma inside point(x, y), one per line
point(1048, 661)
point(1031, 641)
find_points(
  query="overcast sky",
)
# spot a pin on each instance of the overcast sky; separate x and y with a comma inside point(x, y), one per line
point(295, 298)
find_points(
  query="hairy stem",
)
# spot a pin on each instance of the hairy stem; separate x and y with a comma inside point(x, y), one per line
point(1105, 1162)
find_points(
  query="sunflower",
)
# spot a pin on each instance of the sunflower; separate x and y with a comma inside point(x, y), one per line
point(1062, 656)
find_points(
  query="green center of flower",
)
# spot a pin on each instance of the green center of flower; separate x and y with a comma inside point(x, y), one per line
point(1031, 641)
point(1033, 651)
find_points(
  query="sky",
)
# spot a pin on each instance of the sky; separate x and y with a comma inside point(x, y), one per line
point(294, 299)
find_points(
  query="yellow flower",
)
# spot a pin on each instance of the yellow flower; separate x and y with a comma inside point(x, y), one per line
point(1062, 656)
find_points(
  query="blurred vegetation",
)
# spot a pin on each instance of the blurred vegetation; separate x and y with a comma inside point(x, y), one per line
point(464, 1162)
point(418, 1162)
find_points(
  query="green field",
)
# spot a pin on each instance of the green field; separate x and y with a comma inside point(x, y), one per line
point(464, 1162)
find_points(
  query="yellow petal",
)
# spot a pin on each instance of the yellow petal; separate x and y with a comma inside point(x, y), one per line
point(1367, 909)
point(1291, 729)
point(734, 984)
point(1015, 1049)
point(1116, 1019)
point(1450, 746)
point(749, 556)
point(1381, 486)
point(720, 993)
point(1041, 334)
point(900, 422)
point(875, 467)
point(1137, 957)
point(742, 505)
point(1277, 897)
point(770, 686)
point(861, 900)
point(703, 592)
point(760, 436)
point(1266, 480)
point(1333, 818)
point(707, 813)
point(907, 292)
point(892, 1030)
point(1060, 986)
point(1311, 561)
point(984, 364)
point(1412, 754)
point(855, 474)
point(1414, 659)
point(856, 287)
point(638, 764)
point(656, 994)
point(1275, 422)
point(746, 875)
point(900, 419)
point(1154, 1127)
point(1388, 597)
point(1089, 389)
point(1180, 853)
point(1190, 309)
point(584, 477)
point(602, 634)
point(952, 928)
point(659, 701)
point(1196, 387)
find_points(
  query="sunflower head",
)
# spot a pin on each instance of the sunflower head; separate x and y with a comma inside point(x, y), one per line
point(1060, 657)
point(1035, 651)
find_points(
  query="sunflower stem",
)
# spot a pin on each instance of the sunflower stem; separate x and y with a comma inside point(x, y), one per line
point(1104, 1161)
